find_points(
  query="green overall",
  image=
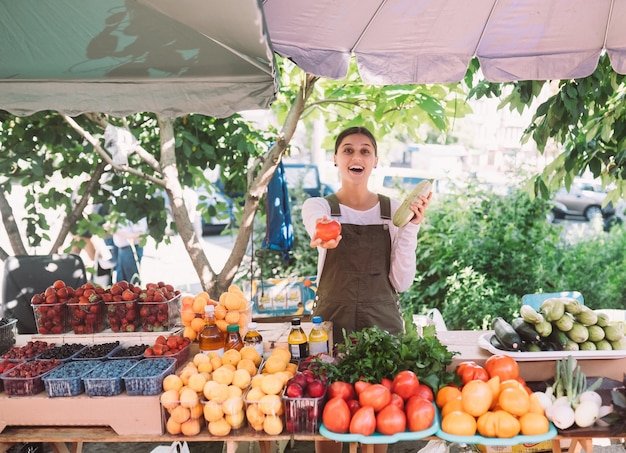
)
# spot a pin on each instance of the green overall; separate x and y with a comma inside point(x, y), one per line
point(354, 290)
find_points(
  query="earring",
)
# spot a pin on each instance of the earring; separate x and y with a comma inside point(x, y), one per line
point(335, 165)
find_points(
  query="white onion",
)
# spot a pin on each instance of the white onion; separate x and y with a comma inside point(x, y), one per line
point(586, 414)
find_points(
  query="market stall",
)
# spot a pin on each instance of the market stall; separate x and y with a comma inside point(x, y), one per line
point(124, 418)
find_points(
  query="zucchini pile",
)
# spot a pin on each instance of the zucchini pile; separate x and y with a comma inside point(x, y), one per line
point(561, 324)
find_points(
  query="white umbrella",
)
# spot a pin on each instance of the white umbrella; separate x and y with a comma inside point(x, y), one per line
point(433, 41)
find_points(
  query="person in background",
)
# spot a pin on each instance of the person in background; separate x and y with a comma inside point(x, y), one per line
point(128, 251)
point(361, 272)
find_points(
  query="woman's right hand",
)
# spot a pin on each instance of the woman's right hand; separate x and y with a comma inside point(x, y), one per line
point(328, 244)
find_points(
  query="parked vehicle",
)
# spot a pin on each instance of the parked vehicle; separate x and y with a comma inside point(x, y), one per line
point(397, 182)
point(584, 198)
point(306, 177)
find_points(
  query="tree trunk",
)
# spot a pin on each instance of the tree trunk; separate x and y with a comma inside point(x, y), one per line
point(179, 210)
point(8, 219)
point(259, 186)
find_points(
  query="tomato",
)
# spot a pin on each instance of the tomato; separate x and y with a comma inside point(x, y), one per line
point(342, 389)
point(420, 413)
point(405, 384)
point(391, 420)
point(354, 406)
point(359, 386)
point(336, 415)
point(376, 396)
point(327, 230)
point(503, 366)
point(470, 371)
point(387, 383)
point(363, 421)
point(396, 400)
point(425, 392)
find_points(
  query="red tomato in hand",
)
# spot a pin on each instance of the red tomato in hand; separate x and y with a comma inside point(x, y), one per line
point(342, 389)
point(391, 420)
point(327, 230)
point(503, 366)
point(363, 421)
point(376, 396)
point(405, 384)
point(420, 413)
point(336, 415)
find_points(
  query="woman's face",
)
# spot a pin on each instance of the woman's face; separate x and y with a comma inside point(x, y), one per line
point(355, 158)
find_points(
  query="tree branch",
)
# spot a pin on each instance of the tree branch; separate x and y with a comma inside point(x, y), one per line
point(105, 155)
point(179, 210)
point(77, 211)
point(10, 225)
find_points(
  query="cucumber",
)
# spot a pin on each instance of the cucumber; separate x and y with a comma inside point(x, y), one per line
point(558, 337)
point(525, 330)
point(403, 214)
point(506, 334)
point(496, 344)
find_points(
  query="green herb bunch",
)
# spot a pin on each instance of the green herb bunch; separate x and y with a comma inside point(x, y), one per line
point(372, 354)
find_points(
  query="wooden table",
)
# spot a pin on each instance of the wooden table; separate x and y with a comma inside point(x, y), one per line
point(463, 342)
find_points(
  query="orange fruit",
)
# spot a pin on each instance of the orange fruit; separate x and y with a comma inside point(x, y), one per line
point(197, 324)
point(459, 423)
point(494, 385)
point(451, 406)
point(172, 382)
point(203, 295)
point(446, 394)
point(535, 405)
point(514, 400)
point(191, 427)
point(476, 397)
point(172, 426)
point(220, 312)
point(186, 300)
point(533, 424)
point(190, 333)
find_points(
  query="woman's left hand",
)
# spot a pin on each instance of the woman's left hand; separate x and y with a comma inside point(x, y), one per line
point(419, 208)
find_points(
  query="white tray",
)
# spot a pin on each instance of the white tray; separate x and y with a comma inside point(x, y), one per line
point(483, 342)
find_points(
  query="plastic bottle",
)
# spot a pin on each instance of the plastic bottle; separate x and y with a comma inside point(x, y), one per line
point(253, 338)
point(298, 342)
point(233, 338)
point(318, 338)
point(211, 338)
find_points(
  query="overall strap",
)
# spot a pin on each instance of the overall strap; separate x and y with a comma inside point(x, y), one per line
point(385, 207)
point(333, 202)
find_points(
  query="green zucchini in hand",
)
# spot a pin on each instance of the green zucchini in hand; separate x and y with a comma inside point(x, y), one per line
point(525, 330)
point(506, 334)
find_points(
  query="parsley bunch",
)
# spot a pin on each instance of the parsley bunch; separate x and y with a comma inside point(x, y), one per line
point(372, 354)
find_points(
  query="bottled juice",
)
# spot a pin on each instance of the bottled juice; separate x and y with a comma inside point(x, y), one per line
point(233, 338)
point(211, 338)
point(298, 342)
point(318, 338)
point(253, 338)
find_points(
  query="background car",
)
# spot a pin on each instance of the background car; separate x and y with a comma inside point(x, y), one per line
point(584, 198)
point(306, 177)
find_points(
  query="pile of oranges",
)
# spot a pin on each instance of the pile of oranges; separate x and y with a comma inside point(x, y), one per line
point(264, 406)
point(209, 390)
point(495, 407)
point(232, 308)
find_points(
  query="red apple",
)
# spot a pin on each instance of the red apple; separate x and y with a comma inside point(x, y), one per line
point(294, 390)
point(316, 389)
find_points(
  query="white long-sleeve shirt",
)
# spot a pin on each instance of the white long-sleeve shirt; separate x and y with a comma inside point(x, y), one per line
point(403, 240)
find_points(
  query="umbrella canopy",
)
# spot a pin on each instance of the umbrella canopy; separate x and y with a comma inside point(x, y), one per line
point(125, 56)
point(433, 41)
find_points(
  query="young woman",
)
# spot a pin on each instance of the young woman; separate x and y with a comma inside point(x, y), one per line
point(361, 272)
